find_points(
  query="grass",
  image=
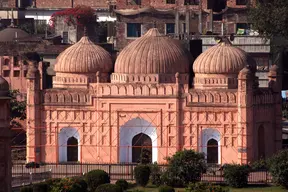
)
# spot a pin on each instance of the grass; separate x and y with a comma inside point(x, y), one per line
point(251, 188)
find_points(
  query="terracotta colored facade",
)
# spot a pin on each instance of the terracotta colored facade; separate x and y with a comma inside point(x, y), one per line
point(95, 111)
point(5, 138)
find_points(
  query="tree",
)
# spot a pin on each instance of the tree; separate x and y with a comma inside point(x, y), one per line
point(18, 107)
point(270, 18)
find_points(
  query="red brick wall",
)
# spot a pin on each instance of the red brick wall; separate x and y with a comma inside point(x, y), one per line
point(68, 3)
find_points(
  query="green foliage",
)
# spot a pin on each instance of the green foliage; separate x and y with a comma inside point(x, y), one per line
point(18, 108)
point(108, 188)
point(69, 185)
point(270, 18)
point(204, 187)
point(166, 188)
point(142, 174)
point(40, 187)
point(136, 190)
point(278, 167)
point(95, 178)
point(184, 167)
point(236, 175)
point(146, 156)
point(155, 176)
point(122, 183)
point(261, 164)
point(26, 189)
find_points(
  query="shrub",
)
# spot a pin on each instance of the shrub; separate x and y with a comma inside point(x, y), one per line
point(236, 175)
point(204, 187)
point(95, 178)
point(166, 188)
point(51, 182)
point(26, 189)
point(142, 174)
point(32, 165)
point(70, 185)
point(40, 187)
point(122, 183)
point(136, 190)
point(155, 176)
point(278, 167)
point(259, 165)
point(184, 167)
point(108, 188)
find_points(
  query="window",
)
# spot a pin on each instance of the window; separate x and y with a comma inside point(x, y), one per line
point(170, 28)
point(16, 62)
point(241, 2)
point(65, 37)
point(170, 1)
point(191, 2)
point(134, 2)
point(25, 73)
point(216, 5)
point(16, 73)
point(184, 27)
point(217, 17)
point(133, 30)
point(6, 73)
point(6, 62)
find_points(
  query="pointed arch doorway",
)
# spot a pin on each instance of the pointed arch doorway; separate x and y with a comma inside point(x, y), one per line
point(141, 148)
point(212, 151)
point(72, 149)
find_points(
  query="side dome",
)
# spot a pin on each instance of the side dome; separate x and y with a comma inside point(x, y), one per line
point(4, 87)
point(11, 33)
point(153, 53)
point(84, 57)
point(223, 58)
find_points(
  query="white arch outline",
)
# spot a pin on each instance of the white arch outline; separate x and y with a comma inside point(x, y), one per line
point(206, 135)
point(128, 131)
point(64, 135)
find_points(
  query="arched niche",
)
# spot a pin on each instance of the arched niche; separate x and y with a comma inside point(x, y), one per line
point(209, 138)
point(128, 131)
point(261, 143)
point(63, 137)
point(141, 143)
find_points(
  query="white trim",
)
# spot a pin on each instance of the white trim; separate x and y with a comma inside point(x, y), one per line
point(206, 135)
point(63, 137)
point(128, 131)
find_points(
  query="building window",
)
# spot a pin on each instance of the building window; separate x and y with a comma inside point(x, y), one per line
point(65, 37)
point(25, 73)
point(184, 27)
point(6, 62)
point(6, 73)
point(170, 1)
point(16, 62)
point(134, 2)
point(16, 73)
point(191, 2)
point(241, 2)
point(133, 30)
point(217, 17)
point(243, 28)
point(170, 28)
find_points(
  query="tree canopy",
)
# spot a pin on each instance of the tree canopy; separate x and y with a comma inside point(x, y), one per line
point(270, 18)
point(18, 107)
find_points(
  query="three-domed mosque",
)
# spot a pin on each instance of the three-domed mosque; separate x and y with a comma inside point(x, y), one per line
point(100, 113)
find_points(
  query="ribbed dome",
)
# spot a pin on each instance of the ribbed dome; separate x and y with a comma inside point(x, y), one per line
point(84, 57)
point(153, 53)
point(223, 58)
point(10, 33)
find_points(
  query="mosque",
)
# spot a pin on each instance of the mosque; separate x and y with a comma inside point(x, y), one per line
point(98, 112)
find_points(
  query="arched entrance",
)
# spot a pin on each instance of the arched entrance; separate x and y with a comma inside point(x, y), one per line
point(212, 151)
point(72, 149)
point(141, 148)
point(127, 133)
point(261, 143)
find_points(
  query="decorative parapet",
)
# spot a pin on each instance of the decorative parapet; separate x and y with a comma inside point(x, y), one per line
point(263, 96)
point(196, 97)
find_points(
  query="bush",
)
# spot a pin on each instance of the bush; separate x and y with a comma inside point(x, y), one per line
point(142, 174)
point(155, 175)
point(136, 190)
point(108, 188)
point(204, 187)
point(122, 183)
point(51, 182)
point(259, 165)
point(278, 167)
point(32, 165)
point(184, 167)
point(40, 187)
point(26, 189)
point(166, 188)
point(70, 185)
point(236, 175)
point(95, 178)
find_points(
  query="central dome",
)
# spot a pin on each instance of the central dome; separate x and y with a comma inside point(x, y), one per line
point(153, 53)
point(84, 57)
